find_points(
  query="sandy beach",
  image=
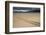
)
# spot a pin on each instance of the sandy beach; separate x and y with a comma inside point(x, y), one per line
point(26, 20)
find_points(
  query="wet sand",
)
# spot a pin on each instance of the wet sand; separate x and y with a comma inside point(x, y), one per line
point(26, 20)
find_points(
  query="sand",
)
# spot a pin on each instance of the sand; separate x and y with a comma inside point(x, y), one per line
point(26, 20)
